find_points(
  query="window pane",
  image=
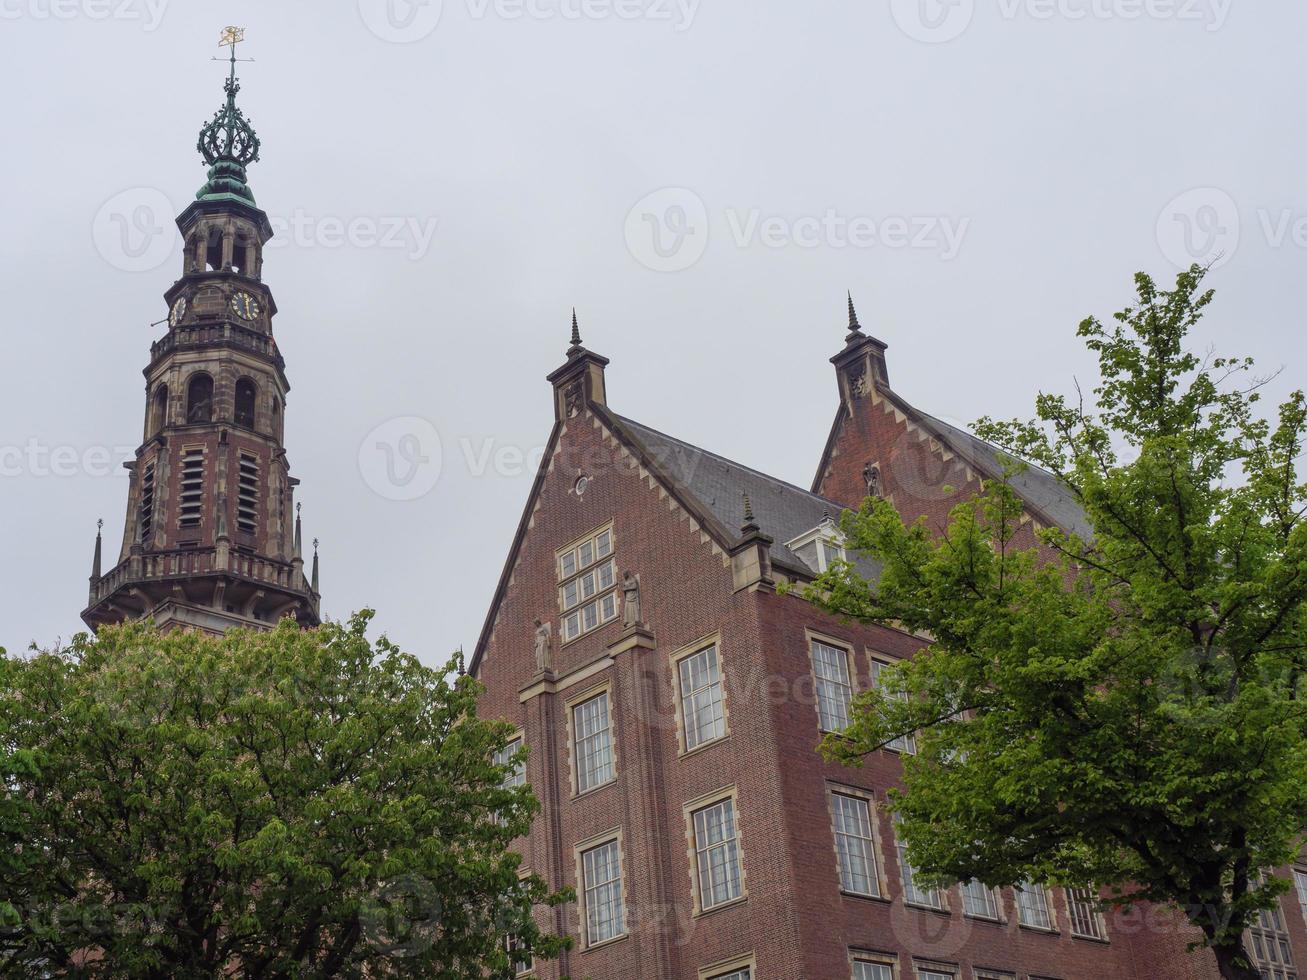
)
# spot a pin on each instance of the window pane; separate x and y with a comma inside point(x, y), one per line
point(604, 544)
point(571, 595)
point(701, 698)
point(594, 757)
point(1085, 919)
point(567, 564)
point(911, 891)
point(834, 690)
point(906, 743)
point(717, 853)
point(587, 555)
point(605, 913)
point(606, 576)
point(863, 970)
point(742, 974)
point(1032, 907)
point(853, 844)
point(979, 900)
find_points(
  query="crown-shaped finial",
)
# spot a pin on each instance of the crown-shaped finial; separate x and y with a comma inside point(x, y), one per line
point(228, 142)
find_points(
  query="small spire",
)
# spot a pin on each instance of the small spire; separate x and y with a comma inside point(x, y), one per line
point(315, 567)
point(462, 663)
point(299, 534)
point(855, 328)
point(750, 525)
point(95, 562)
point(576, 335)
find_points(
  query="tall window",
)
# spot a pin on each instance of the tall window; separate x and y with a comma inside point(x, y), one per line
point(1032, 906)
point(504, 757)
point(701, 698)
point(913, 893)
point(587, 590)
point(523, 962)
point(905, 743)
point(1268, 944)
point(830, 666)
point(247, 494)
point(717, 854)
point(592, 725)
point(871, 970)
point(605, 913)
point(147, 502)
point(246, 395)
point(979, 901)
point(159, 409)
point(851, 816)
point(199, 398)
point(1300, 884)
point(743, 973)
point(191, 500)
point(1086, 921)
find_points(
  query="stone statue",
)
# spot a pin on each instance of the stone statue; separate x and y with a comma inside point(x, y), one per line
point(543, 637)
point(871, 475)
point(631, 600)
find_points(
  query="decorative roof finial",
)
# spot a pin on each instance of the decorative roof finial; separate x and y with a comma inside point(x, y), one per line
point(228, 142)
point(299, 538)
point(313, 584)
point(750, 525)
point(576, 335)
point(95, 562)
point(855, 328)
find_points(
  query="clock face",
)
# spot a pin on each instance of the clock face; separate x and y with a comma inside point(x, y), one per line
point(245, 306)
point(177, 312)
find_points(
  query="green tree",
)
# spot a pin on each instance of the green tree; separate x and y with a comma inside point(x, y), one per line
point(290, 804)
point(1123, 711)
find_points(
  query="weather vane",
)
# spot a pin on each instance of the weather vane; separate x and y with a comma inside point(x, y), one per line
point(232, 36)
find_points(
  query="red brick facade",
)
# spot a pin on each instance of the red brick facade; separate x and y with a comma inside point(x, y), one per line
point(704, 582)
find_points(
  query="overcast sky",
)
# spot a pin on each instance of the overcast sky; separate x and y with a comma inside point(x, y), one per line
point(702, 179)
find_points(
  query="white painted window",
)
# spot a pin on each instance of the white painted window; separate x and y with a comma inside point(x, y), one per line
point(743, 973)
point(717, 854)
point(913, 893)
point(906, 743)
point(504, 757)
point(851, 817)
point(605, 912)
point(1032, 906)
point(592, 724)
point(1086, 921)
point(702, 711)
point(830, 667)
point(979, 901)
point(869, 970)
point(587, 590)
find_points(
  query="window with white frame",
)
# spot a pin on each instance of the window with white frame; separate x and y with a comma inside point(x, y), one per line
point(1267, 941)
point(979, 901)
point(1032, 906)
point(820, 547)
point(1300, 884)
point(504, 757)
point(523, 962)
point(912, 892)
point(587, 585)
point(592, 728)
point(905, 743)
point(743, 973)
point(932, 973)
point(830, 667)
point(702, 711)
point(717, 854)
point(872, 970)
point(605, 912)
point(854, 846)
point(1082, 909)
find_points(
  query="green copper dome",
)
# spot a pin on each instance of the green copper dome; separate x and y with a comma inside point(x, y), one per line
point(228, 144)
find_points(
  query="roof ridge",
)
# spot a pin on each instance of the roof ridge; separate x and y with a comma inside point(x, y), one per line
point(726, 459)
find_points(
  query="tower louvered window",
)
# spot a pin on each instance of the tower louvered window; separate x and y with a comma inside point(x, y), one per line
point(147, 502)
point(247, 498)
point(192, 495)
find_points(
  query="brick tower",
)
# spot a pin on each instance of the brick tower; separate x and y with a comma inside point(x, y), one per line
point(209, 542)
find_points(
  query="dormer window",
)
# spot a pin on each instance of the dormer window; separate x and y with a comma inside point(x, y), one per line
point(820, 547)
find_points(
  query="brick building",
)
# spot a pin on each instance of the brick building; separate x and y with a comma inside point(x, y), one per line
point(672, 702)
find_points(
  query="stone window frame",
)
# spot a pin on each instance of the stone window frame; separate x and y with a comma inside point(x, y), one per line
point(674, 658)
point(573, 760)
point(875, 958)
point(812, 636)
point(579, 850)
point(688, 810)
point(834, 789)
point(726, 967)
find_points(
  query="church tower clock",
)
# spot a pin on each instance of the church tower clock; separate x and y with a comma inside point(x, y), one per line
point(212, 538)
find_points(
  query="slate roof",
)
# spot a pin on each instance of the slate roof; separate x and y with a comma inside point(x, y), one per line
point(782, 510)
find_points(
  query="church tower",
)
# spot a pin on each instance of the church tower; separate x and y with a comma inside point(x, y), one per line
point(212, 539)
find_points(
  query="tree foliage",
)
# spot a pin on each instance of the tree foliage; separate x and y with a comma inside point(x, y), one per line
point(1121, 710)
point(290, 804)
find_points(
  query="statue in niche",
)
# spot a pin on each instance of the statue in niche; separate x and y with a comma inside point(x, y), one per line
point(543, 652)
point(631, 600)
point(871, 476)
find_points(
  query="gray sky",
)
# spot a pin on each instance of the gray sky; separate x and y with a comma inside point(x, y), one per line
point(981, 176)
